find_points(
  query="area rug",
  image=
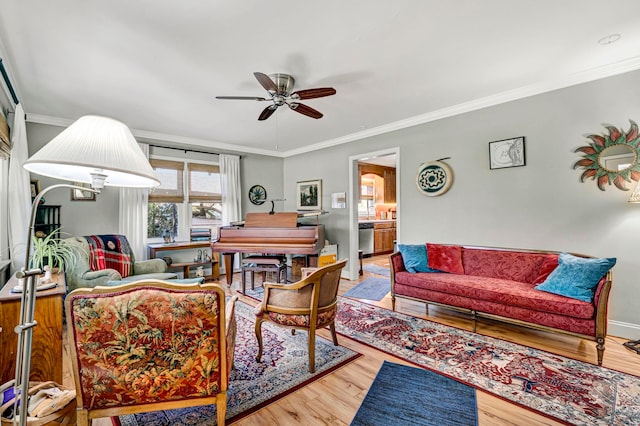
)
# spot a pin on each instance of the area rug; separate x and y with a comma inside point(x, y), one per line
point(284, 369)
point(567, 390)
point(371, 289)
point(375, 269)
point(402, 395)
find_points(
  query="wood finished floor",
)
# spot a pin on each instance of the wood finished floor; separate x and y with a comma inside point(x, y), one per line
point(334, 399)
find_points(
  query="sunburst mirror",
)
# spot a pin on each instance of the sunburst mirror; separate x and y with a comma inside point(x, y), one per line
point(611, 158)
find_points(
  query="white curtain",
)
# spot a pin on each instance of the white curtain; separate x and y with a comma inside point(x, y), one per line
point(132, 215)
point(19, 194)
point(231, 192)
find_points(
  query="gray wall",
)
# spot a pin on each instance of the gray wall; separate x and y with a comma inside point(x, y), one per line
point(540, 206)
point(101, 216)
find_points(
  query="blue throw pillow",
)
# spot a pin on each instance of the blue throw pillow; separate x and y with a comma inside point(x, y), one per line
point(414, 257)
point(576, 277)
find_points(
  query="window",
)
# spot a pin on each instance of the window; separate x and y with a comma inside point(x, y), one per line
point(189, 196)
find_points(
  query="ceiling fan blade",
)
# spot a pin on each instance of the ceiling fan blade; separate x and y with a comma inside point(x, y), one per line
point(266, 82)
point(266, 113)
point(313, 93)
point(242, 98)
point(305, 110)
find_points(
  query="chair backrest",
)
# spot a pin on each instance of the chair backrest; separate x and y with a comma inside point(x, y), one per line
point(147, 342)
point(329, 282)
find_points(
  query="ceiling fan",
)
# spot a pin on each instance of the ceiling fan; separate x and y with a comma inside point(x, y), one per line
point(280, 88)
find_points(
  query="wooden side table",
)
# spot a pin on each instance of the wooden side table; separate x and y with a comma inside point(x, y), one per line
point(156, 249)
point(46, 355)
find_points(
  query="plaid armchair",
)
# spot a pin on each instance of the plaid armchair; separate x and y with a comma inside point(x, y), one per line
point(150, 345)
point(104, 258)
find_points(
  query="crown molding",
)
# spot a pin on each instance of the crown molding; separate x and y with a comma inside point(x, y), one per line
point(477, 104)
point(163, 137)
point(473, 105)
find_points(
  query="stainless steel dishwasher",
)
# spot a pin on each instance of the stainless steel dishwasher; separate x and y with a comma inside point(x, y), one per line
point(365, 237)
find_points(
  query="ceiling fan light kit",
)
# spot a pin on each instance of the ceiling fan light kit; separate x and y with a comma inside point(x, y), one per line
point(280, 88)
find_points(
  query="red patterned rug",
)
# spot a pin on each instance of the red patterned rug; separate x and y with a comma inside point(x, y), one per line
point(567, 390)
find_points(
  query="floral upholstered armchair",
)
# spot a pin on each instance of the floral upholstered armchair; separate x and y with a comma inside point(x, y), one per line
point(309, 304)
point(150, 345)
point(104, 258)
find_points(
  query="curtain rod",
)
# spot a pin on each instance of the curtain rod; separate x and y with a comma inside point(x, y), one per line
point(9, 85)
point(187, 150)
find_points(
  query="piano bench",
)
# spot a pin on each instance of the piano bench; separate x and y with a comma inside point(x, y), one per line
point(263, 264)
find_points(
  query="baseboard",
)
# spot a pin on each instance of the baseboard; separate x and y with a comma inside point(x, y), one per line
point(624, 329)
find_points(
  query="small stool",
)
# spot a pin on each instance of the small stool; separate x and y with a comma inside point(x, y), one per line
point(263, 264)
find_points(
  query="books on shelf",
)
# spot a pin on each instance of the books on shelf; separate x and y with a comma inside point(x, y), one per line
point(200, 234)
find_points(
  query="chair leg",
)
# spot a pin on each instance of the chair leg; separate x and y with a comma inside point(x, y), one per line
point(312, 351)
point(82, 417)
point(259, 338)
point(221, 408)
point(334, 336)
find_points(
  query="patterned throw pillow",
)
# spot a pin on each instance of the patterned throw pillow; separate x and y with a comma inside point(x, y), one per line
point(576, 277)
point(445, 258)
point(414, 257)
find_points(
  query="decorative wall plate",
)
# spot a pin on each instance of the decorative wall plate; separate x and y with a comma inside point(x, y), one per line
point(434, 178)
point(257, 195)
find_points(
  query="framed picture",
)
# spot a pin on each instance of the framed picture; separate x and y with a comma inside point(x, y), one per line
point(35, 188)
point(79, 195)
point(309, 195)
point(339, 200)
point(506, 153)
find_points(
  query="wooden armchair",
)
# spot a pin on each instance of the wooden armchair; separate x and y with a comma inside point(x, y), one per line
point(309, 304)
point(150, 345)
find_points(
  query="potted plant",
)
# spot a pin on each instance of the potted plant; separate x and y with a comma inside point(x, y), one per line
point(48, 250)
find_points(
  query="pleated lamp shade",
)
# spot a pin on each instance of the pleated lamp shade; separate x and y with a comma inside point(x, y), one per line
point(95, 146)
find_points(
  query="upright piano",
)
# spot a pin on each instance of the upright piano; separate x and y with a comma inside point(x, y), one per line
point(277, 233)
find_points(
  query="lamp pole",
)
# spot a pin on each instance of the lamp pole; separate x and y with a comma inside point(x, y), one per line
point(24, 330)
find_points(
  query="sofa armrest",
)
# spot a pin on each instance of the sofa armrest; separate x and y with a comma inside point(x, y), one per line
point(396, 262)
point(150, 266)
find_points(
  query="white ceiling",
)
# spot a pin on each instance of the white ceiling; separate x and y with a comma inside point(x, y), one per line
point(158, 65)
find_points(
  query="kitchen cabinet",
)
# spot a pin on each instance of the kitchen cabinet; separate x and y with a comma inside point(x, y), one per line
point(384, 234)
point(389, 185)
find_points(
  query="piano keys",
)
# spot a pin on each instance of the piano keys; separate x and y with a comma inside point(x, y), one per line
point(278, 233)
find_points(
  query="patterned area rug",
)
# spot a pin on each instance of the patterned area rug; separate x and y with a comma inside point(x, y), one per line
point(373, 288)
point(375, 269)
point(571, 391)
point(408, 396)
point(284, 369)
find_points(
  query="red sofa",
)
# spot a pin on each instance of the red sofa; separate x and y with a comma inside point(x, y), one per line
point(500, 284)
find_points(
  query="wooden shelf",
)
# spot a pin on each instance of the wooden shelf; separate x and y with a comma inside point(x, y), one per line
point(156, 248)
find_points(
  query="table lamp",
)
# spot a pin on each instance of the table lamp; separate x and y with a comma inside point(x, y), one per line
point(96, 150)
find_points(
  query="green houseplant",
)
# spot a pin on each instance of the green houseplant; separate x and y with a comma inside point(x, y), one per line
point(52, 251)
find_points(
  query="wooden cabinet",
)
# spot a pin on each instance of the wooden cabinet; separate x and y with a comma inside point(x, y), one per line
point(389, 186)
point(384, 234)
point(155, 249)
point(387, 173)
point(46, 358)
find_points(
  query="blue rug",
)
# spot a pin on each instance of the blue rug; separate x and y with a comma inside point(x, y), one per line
point(403, 395)
point(371, 289)
point(375, 269)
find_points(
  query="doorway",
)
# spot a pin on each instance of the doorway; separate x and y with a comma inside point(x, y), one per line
point(369, 203)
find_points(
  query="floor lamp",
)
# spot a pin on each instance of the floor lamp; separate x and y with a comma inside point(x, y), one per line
point(94, 149)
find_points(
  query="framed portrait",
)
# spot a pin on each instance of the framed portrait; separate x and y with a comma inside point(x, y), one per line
point(79, 195)
point(35, 188)
point(506, 153)
point(309, 195)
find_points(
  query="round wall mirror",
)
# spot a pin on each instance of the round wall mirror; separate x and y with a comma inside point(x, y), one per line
point(611, 158)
